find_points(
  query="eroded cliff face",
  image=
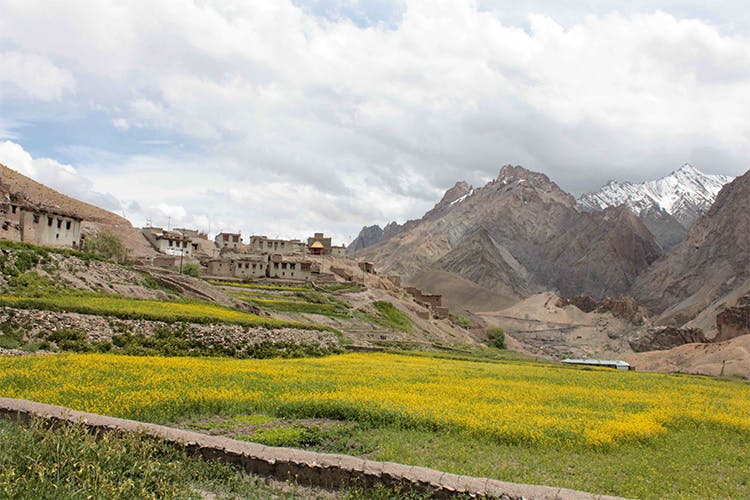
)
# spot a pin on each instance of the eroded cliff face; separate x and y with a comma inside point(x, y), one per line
point(734, 321)
point(709, 265)
point(528, 234)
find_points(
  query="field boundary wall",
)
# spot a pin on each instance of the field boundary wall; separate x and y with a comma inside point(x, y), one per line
point(305, 467)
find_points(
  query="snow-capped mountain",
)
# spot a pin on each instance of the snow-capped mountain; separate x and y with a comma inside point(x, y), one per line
point(685, 194)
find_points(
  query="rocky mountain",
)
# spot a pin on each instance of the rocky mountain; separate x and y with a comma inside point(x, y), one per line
point(367, 237)
point(518, 233)
point(707, 271)
point(668, 206)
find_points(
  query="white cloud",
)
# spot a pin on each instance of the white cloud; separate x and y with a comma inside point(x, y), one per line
point(59, 176)
point(34, 76)
point(300, 120)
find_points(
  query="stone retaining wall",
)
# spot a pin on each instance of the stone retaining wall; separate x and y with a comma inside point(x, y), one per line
point(37, 322)
point(305, 467)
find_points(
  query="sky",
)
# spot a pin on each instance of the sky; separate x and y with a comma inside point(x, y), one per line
point(286, 118)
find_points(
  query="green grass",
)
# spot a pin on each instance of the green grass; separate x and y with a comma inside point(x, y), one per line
point(257, 286)
point(306, 302)
point(69, 462)
point(390, 317)
point(128, 308)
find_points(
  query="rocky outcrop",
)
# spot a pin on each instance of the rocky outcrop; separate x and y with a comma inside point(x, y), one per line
point(663, 338)
point(620, 307)
point(734, 321)
point(367, 237)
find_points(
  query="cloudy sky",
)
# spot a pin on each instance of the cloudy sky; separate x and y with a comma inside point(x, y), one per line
point(282, 117)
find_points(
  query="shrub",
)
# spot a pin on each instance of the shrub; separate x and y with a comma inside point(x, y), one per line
point(496, 337)
point(107, 245)
point(192, 269)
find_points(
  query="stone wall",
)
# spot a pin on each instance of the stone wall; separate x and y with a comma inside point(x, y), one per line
point(307, 467)
point(38, 323)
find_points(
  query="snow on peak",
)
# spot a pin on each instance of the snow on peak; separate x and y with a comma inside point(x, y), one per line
point(685, 193)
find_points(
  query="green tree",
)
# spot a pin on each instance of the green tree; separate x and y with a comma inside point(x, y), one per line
point(496, 337)
point(106, 245)
point(192, 269)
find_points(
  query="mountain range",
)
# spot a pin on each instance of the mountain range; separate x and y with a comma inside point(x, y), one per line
point(667, 206)
point(520, 233)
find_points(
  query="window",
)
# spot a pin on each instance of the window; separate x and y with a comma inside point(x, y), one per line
point(14, 208)
point(283, 265)
point(49, 221)
point(36, 219)
point(292, 266)
point(59, 223)
point(67, 225)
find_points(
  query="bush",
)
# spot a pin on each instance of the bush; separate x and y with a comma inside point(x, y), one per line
point(496, 337)
point(106, 245)
point(192, 269)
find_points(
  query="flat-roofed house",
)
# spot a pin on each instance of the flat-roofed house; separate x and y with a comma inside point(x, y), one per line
point(169, 242)
point(232, 241)
point(263, 244)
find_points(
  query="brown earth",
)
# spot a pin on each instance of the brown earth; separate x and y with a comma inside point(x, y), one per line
point(703, 359)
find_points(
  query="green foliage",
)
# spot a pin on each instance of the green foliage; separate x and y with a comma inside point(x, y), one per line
point(258, 286)
point(70, 462)
point(461, 321)
point(106, 245)
point(496, 337)
point(192, 269)
point(390, 317)
point(31, 284)
point(336, 287)
point(19, 258)
point(295, 436)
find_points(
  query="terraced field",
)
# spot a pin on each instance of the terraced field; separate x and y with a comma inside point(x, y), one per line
point(605, 431)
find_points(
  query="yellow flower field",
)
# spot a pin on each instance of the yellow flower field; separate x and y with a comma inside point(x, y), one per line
point(534, 404)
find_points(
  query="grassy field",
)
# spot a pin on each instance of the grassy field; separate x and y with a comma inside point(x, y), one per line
point(69, 462)
point(633, 434)
point(129, 308)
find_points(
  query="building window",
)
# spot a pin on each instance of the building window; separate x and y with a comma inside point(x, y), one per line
point(67, 225)
point(14, 208)
point(49, 221)
point(36, 219)
point(59, 223)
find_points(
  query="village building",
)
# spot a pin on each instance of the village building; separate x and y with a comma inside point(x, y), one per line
point(317, 248)
point(229, 240)
point(38, 224)
point(338, 250)
point(243, 266)
point(263, 244)
point(323, 241)
point(286, 267)
point(169, 242)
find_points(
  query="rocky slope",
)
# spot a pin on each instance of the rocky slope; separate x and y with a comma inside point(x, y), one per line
point(711, 266)
point(668, 206)
point(527, 234)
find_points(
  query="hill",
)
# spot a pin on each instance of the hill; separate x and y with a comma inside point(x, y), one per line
point(95, 219)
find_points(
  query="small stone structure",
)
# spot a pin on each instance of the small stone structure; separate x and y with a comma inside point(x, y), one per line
point(306, 467)
point(431, 301)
